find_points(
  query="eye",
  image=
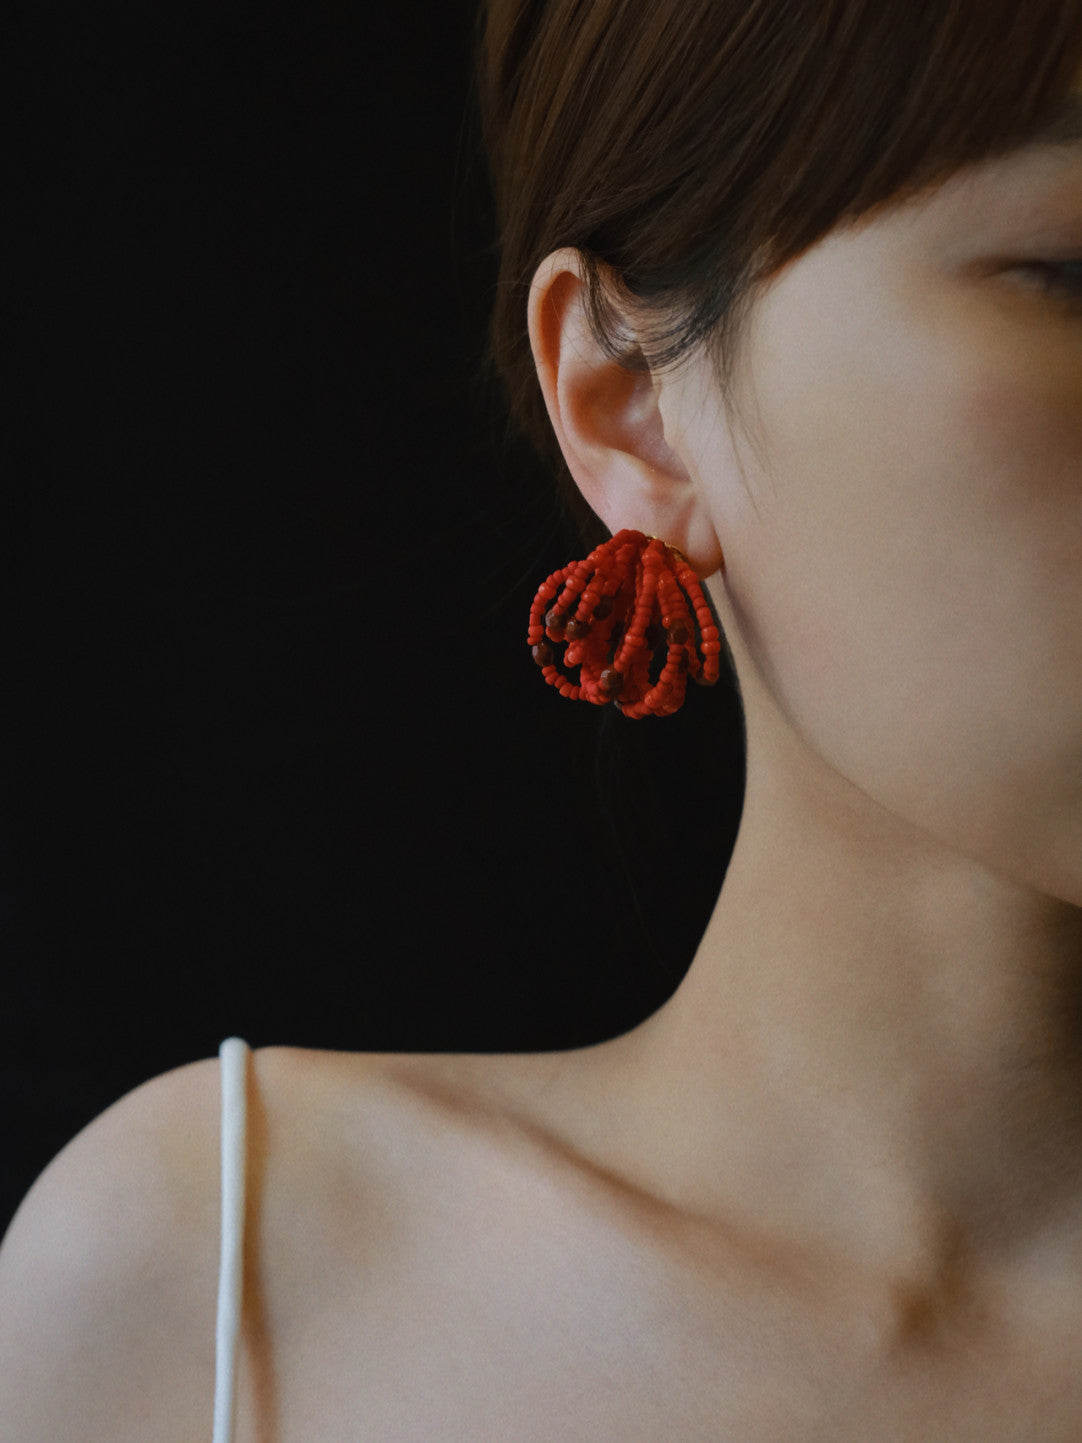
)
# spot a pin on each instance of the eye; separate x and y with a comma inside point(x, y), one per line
point(1060, 277)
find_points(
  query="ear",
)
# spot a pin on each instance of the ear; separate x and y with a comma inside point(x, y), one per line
point(609, 422)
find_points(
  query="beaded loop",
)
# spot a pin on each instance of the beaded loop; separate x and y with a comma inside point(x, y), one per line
point(632, 595)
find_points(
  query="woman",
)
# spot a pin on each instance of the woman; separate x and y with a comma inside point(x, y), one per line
point(798, 289)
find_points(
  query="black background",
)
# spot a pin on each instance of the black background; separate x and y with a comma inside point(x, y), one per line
point(278, 762)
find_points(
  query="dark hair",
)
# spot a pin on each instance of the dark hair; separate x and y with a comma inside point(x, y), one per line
point(691, 148)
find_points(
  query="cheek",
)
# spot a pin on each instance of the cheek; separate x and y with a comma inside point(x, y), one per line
point(913, 560)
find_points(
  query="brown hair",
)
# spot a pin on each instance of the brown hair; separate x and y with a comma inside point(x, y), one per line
point(691, 148)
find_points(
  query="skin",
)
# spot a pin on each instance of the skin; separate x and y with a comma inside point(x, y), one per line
point(884, 1010)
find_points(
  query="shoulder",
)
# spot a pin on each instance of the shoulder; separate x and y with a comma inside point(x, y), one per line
point(108, 1187)
point(108, 1272)
point(125, 1154)
point(135, 1194)
point(110, 1261)
point(109, 1268)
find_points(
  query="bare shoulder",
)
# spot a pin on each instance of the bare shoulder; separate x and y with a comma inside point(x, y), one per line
point(109, 1262)
point(135, 1195)
point(120, 1172)
point(386, 1193)
point(109, 1268)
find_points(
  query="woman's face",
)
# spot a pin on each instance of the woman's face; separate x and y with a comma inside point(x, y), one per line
point(901, 514)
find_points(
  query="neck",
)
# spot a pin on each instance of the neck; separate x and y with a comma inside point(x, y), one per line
point(878, 1046)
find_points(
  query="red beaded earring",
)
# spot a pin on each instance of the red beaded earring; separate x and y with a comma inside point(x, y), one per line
point(614, 609)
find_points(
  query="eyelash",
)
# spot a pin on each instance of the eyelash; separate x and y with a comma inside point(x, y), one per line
point(1062, 276)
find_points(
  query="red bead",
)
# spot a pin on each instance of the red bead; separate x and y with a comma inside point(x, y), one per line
point(638, 580)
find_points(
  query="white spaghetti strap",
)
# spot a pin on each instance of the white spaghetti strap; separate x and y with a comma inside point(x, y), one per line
point(234, 1058)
